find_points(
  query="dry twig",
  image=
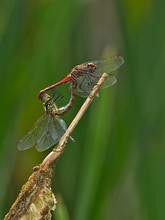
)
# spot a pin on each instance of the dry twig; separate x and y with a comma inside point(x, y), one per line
point(36, 199)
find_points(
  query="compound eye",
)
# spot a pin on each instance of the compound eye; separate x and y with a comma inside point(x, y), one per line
point(91, 67)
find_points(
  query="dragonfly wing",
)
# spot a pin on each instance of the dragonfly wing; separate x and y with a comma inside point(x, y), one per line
point(111, 79)
point(108, 65)
point(32, 137)
point(86, 83)
point(55, 130)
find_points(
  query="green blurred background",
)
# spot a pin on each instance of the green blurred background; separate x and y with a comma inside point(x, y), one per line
point(116, 168)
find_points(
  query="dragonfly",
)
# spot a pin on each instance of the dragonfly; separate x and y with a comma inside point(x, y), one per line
point(48, 129)
point(84, 77)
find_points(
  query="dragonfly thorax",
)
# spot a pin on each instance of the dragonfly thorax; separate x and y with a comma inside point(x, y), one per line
point(81, 70)
point(50, 106)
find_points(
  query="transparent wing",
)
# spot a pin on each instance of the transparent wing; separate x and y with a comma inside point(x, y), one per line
point(108, 65)
point(46, 132)
point(55, 129)
point(32, 137)
point(111, 79)
point(86, 83)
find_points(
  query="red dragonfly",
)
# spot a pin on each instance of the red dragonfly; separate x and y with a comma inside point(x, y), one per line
point(83, 77)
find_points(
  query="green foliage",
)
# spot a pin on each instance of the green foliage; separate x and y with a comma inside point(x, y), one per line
point(115, 169)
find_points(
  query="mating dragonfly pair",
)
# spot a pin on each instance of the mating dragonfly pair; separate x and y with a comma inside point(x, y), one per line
point(48, 130)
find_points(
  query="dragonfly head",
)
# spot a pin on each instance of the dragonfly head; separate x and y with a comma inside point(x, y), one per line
point(91, 67)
